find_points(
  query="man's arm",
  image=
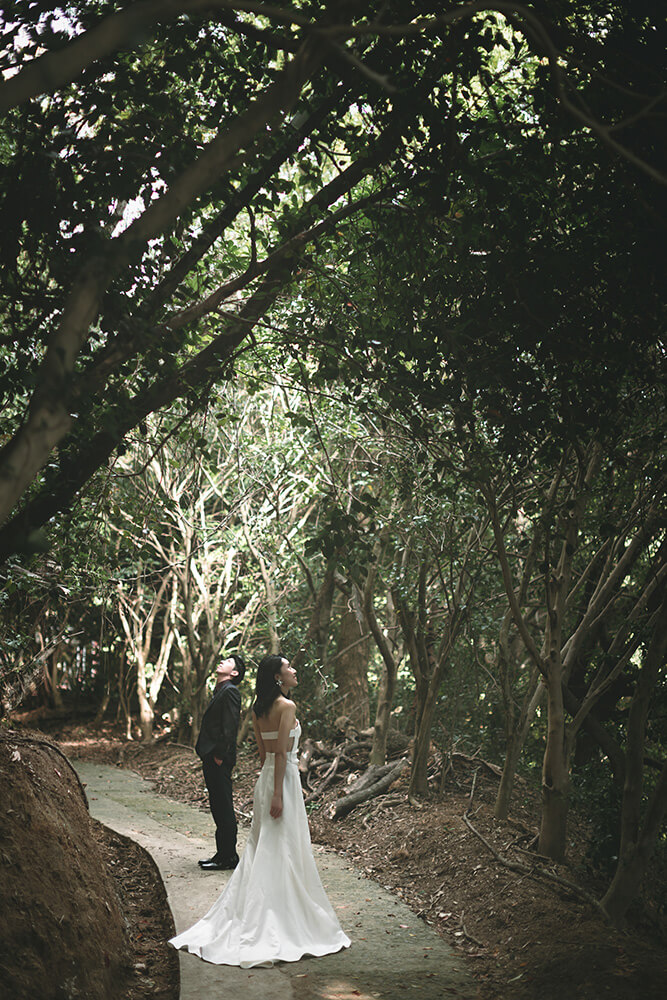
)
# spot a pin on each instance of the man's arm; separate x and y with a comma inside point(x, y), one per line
point(228, 715)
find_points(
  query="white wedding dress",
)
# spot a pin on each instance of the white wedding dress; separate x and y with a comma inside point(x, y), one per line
point(274, 907)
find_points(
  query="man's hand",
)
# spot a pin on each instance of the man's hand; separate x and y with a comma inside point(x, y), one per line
point(218, 761)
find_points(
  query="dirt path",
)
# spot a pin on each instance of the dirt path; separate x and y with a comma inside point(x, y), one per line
point(393, 953)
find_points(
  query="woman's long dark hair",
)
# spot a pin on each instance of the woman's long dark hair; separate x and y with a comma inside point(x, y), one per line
point(266, 689)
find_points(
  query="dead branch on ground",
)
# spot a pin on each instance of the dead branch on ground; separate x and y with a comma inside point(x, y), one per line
point(534, 871)
point(347, 803)
point(326, 781)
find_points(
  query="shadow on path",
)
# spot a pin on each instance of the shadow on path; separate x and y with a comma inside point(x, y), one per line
point(393, 953)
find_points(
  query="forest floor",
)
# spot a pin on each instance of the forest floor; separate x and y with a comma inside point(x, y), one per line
point(524, 936)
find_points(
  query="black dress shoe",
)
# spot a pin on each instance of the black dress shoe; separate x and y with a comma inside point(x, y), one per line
point(207, 861)
point(219, 864)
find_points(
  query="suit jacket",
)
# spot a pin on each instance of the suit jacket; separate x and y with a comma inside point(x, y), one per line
point(220, 725)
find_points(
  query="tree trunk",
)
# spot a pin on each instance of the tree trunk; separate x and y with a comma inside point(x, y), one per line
point(138, 627)
point(432, 670)
point(515, 738)
point(635, 856)
point(513, 745)
point(124, 694)
point(419, 771)
point(350, 669)
point(105, 667)
point(146, 714)
point(637, 840)
point(387, 685)
point(555, 778)
point(317, 634)
point(52, 677)
point(382, 716)
point(202, 643)
point(599, 735)
point(347, 803)
point(196, 715)
point(203, 667)
point(267, 570)
point(104, 704)
point(424, 726)
point(414, 626)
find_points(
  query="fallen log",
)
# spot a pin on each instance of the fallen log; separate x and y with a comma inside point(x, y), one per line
point(347, 803)
point(324, 751)
point(326, 781)
point(371, 776)
point(493, 768)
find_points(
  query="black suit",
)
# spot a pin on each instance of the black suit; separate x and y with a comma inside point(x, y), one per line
point(217, 738)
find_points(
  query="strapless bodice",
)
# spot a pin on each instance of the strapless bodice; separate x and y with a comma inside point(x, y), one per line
point(294, 733)
point(274, 735)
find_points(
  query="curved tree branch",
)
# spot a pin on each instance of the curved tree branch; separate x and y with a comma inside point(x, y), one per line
point(124, 29)
point(48, 419)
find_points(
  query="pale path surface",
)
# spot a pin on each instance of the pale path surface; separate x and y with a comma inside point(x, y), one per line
point(393, 953)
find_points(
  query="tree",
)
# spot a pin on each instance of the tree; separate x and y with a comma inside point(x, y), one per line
point(639, 836)
point(99, 296)
point(351, 660)
point(181, 511)
point(138, 617)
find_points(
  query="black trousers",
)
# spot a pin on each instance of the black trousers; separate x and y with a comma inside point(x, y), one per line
point(218, 778)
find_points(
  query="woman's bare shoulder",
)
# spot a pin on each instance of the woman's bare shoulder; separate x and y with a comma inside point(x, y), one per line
point(286, 708)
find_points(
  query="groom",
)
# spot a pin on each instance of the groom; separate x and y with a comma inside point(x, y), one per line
point(216, 746)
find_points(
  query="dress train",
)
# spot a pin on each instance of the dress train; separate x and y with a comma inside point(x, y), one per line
point(274, 907)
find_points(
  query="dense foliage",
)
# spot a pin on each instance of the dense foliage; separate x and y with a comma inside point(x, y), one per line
point(315, 320)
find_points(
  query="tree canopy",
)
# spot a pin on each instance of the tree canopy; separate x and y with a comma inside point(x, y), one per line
point(174, 177)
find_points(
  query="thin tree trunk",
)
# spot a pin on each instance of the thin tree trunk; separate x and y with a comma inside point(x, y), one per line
point(146, 713)
point(386, 690)
point(269, 586)
point(419, 771)
point(318, 626)
point(515, 737)
point(103, 705)
point(124, 695)
point(516, 729)
point(387, 684)
point(105, 664)
point(185, 701)
point(555, 765)
point(138, 629)
point(51, 678)
point(513, 747)
point(196, 715)
point(635, 856)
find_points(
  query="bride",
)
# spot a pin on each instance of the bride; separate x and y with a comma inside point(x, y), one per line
point(274, 907)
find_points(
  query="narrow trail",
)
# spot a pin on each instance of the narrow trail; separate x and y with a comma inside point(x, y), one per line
point(393, 953)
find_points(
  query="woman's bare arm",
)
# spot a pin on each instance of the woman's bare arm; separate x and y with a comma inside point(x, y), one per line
point(287, 720)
